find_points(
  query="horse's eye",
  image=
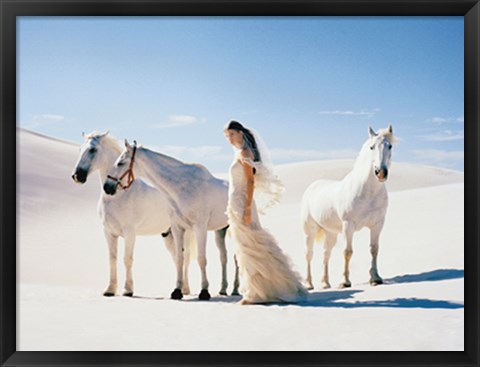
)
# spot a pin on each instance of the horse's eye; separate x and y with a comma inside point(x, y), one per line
point(372, 147)
point(93, 150)
point(390, 146)
point(120, 164)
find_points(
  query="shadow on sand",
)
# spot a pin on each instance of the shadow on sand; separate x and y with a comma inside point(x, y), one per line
point(344, 298)
point(430, 276)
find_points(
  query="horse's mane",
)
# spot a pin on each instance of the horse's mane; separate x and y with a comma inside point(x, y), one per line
point(106, 139)
point(387, 134)
point(113, 143)
point(201, 168)
point(169, 158)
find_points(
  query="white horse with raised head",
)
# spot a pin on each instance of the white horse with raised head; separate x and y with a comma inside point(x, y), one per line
point(359, 200)
point(140, 209)
point(197, 199)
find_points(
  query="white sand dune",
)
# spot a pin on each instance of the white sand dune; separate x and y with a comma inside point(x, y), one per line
point(63, 270)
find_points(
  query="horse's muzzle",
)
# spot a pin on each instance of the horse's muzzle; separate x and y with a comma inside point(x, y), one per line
point(80, 176)
point(110, 188)
point(382, 174)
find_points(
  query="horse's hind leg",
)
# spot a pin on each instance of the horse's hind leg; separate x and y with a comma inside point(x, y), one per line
point(112, 242)
point(311, 230)
point(236, 282)
point(330, 241)
point(220, 241)
point(375, 279)
point(128, 260)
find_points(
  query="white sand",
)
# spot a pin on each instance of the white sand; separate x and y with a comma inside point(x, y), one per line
point(63, 270)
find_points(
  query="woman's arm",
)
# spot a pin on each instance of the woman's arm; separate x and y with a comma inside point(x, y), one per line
point(248, 170)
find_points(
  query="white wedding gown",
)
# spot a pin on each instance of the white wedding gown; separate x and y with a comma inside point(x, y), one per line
point(266, 272)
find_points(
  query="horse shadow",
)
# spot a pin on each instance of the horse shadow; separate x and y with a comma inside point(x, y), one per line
point(191, 298)
point(147, 298)
point(216, 298)
point(345, 298)
point(430, 276)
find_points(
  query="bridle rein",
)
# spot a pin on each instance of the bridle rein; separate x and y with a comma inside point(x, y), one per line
point(128, 173)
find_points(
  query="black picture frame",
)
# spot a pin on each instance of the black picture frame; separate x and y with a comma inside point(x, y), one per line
point(10, 10)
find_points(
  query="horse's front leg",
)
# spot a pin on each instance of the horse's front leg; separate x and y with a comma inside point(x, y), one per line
point(220, 242)
point(201, 236)
point(171, 247)
point(129, 237)
point(375, 279)
point(170, 244)
point(112, 242)
point(348, 233)
point(178, 237)
point(188, 240)
point(330, 241)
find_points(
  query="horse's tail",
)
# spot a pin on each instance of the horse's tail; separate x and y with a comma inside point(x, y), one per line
point(320, 234)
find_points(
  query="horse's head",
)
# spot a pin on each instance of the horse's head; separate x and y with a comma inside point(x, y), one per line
point(123, 167)
point(381, 144)
point(87, 159)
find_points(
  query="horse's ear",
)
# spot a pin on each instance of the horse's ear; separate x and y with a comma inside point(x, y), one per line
point(390, 128)
point(371, 132)
point(83, 134)
point(126, 144)
point(105, 133)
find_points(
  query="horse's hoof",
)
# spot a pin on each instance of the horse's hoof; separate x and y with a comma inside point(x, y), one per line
point(326, 286)
point(176, 294)
point(309, 286)
point(375, 282)
point(223, 293)
point(345, 285)
point(235, 293)
point(204, 295)
point(109, 294)
point(128, 294)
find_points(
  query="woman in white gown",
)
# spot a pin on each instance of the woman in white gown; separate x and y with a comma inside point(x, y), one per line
point(266, 272)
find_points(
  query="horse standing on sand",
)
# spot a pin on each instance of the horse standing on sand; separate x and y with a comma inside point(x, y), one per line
point(359, 200)
point(197, 200)
point(139, 209)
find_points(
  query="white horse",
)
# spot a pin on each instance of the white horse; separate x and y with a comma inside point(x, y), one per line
point(138, 210)
point(359, 200)
point(197, 199)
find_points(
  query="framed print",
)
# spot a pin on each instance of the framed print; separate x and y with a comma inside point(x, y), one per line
point(342, 230)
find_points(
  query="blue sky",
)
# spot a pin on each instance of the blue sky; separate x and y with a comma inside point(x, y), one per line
point(310, 86)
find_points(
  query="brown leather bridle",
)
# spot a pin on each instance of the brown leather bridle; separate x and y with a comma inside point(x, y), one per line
point(128, 173)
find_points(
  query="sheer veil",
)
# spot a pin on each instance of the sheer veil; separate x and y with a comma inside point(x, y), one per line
point(268, 187)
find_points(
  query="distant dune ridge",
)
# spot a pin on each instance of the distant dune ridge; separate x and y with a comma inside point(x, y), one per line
point(63, 270)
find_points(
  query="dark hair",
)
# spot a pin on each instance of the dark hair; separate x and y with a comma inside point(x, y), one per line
point(247, 134)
